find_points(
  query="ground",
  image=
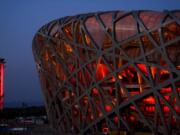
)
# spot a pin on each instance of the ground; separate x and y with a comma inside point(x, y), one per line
point(32, 130)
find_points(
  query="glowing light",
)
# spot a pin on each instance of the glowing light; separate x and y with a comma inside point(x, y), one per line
point(166, 109)
point(66, 95)
point(167, 97)
point(108, 108)
point(67, 30)
point(95, 91)
point(132, 118)
point(91, 117)
point(140, 82)
point(150, 109)
point(120, 77)
point(166, 90)
point(163, 71)
point(1, 85)
point(68, 48)
point(177, 109)
point(100, 114)
point(116, 119)
point(85, 100)
point(113, 79)
point(88, 41)
point(110, 91)
point(46, 56)
point(114, 101)
point(153, 71)
point(178, 67)
point(150, 100)
point(142, 68)
point(133, 107)
point(105, 130)
point(102, 71)
point(126, 73)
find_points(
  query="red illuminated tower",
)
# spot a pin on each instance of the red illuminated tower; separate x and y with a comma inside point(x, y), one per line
point(1, 82)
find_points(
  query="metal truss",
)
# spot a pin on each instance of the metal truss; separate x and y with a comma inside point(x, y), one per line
point(111, 72)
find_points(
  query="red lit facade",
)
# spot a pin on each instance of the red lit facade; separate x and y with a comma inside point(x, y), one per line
point(111, 72)
point(1, 83)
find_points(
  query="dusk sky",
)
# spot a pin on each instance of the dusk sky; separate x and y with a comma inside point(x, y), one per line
point(20, 20)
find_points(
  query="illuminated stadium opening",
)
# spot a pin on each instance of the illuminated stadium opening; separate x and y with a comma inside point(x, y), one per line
point(111, 72)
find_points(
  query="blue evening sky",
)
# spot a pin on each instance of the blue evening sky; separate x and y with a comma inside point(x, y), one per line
point(19, 21)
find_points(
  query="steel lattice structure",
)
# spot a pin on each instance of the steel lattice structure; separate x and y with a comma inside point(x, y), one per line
point(111, 72)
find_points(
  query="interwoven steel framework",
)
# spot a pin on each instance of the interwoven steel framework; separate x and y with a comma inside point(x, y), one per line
point(111, 72)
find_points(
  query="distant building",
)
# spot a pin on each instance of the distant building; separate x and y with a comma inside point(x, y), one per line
point(1, 83)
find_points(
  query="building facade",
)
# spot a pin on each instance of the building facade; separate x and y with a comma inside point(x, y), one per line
point(1, 83)
point(111, 72)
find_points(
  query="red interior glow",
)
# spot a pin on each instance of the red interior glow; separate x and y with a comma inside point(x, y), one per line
point(102, 71)
point(142, 68)
point(132, 79)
